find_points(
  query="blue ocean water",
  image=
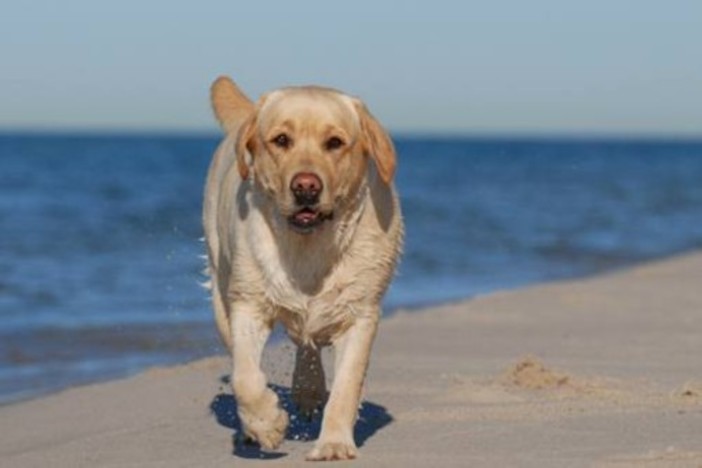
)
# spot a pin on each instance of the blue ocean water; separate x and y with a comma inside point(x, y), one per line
point(99, 248)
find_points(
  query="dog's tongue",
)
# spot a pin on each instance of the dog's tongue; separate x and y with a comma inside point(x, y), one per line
point(305, 216)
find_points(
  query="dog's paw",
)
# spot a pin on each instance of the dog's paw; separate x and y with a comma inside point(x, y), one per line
point(267, 431)
point(266, 423)
point(309, 400)
point(332, 450)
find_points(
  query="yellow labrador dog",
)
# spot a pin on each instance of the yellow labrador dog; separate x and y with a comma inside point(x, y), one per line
point(303, 226)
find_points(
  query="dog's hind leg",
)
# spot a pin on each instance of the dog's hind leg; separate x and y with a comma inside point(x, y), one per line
point(221, 315)
point(309, 390)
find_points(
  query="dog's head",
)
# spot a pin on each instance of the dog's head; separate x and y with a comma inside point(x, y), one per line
point(309, 148)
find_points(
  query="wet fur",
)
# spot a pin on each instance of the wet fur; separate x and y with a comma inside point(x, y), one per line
point(325, 287)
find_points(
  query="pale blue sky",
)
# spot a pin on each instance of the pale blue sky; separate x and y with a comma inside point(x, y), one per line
point(536, 66)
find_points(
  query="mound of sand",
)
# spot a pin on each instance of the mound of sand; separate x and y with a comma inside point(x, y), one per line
point(691, 392)
point(531, 374)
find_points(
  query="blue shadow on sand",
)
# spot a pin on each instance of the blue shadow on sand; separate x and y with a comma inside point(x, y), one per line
point(371, 418)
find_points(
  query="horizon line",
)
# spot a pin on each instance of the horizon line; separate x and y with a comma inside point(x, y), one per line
point(584, 135)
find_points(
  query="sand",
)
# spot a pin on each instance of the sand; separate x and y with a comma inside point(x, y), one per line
point(605, 371)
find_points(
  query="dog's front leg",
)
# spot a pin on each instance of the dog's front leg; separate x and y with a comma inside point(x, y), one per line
point(257, 405)
point(352, 351)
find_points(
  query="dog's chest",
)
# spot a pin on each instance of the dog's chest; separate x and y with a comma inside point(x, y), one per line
point(308, 289)
point(315, 317)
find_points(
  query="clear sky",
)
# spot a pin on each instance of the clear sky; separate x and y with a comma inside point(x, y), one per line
point(523, 66)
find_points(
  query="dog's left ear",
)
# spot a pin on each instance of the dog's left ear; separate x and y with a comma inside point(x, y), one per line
point(376, 143)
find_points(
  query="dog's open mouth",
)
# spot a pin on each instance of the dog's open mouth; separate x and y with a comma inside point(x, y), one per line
point(306, 219)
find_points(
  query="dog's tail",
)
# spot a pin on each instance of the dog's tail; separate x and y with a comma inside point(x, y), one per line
point(230, 104)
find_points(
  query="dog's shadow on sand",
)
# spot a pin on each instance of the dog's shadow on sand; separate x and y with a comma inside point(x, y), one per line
point(371, 418)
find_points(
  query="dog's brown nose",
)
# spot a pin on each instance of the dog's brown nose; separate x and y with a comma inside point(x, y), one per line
point(306, 187)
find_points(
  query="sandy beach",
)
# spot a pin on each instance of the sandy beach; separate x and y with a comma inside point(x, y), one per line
point(603, 371)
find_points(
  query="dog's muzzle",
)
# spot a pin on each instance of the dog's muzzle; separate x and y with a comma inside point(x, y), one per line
point(307, 218)
point(306, 187)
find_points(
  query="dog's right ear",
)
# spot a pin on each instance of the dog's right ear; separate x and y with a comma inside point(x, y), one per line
point(245, 144)
point(235, 113)
point(230, 105)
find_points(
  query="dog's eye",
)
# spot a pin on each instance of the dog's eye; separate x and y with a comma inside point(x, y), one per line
point(333, 143)
point(281, 141)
